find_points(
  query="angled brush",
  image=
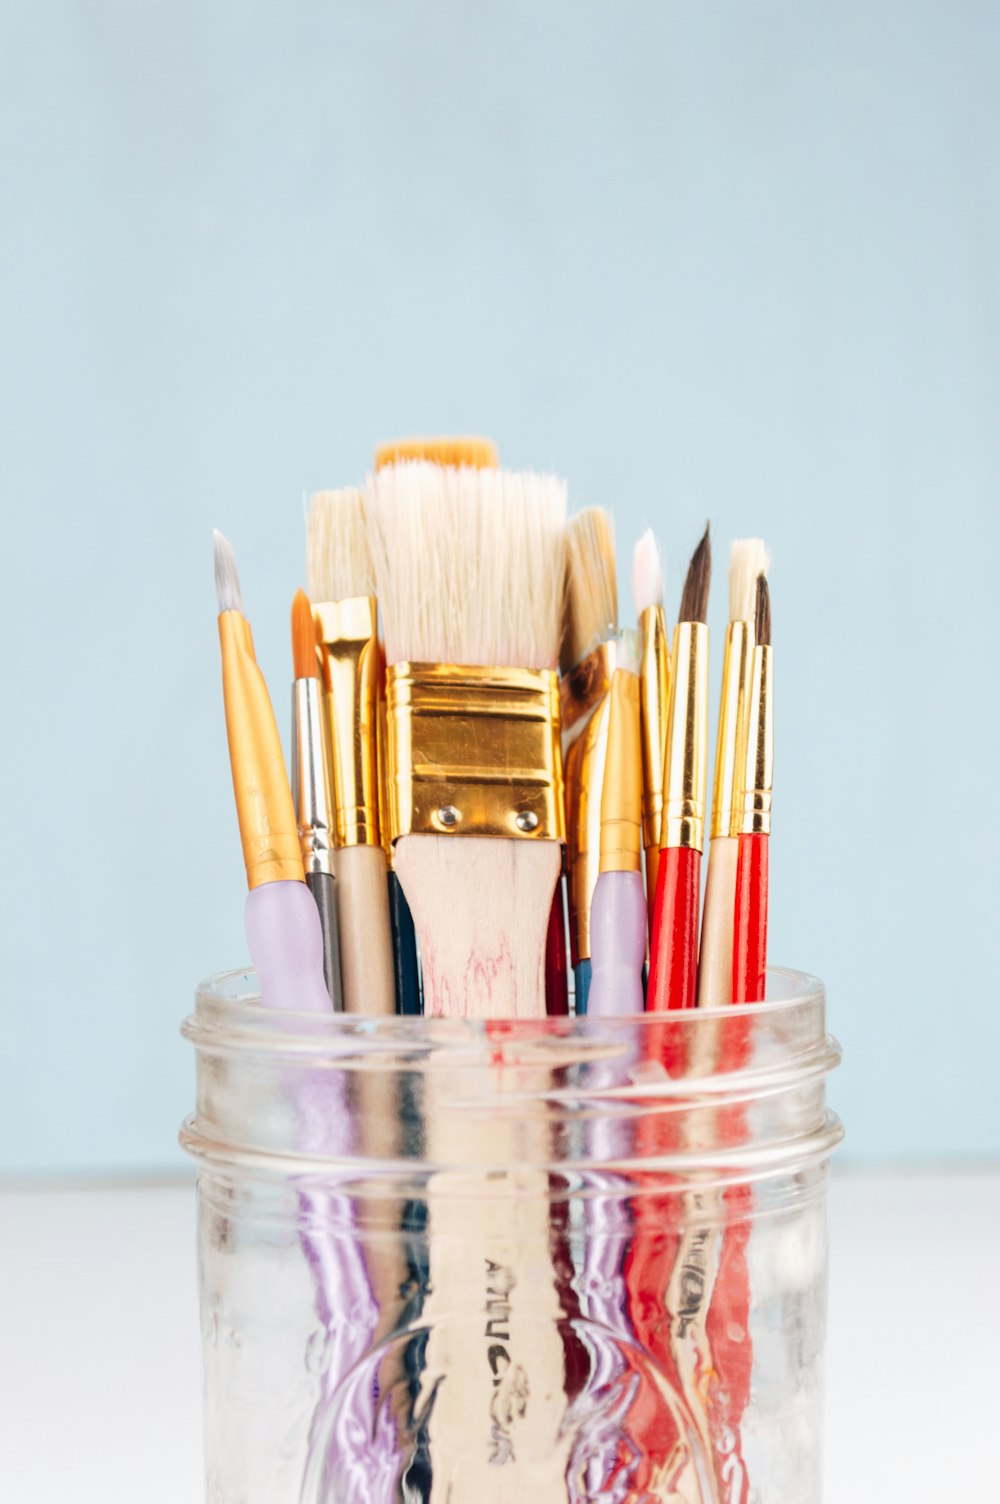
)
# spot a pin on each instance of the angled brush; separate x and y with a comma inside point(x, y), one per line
point(587, 663)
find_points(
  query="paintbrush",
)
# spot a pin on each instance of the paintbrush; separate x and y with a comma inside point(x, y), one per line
point(673, 949)
point(282, 922)
point(341, 588)
point(747, 559)
point(750, 928)
point(312, 787)
point(654, 697)
point(587, 663)
point(618, 912)
point(454, 453)
point(469, 564)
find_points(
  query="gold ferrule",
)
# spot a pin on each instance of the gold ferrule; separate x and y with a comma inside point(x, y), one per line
point(312, 780)
point(349, 653)
point(654, 696)
point(687, 739)
point(758, 748)
point(584, 695)
point(263, 798)
point(474, 751)
point(621, 794)
point(727, 785)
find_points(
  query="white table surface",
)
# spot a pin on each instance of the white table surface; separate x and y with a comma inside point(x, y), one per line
point(99, 1363)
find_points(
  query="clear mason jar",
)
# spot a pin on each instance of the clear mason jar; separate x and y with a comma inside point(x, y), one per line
point(470, 1261)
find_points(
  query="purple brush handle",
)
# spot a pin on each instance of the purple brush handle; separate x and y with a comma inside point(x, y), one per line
point(617, 945)
point(286, 946)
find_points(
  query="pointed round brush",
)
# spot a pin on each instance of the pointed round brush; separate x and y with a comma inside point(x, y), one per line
point(673, 947)
point(654, 698)
point(282, 923)
point(748, 558)
point(312, 787)
point(750, 926)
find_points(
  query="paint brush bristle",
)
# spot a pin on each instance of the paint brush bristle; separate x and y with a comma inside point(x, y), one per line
point(628, 655)
point(647, 574)
point(305, 660)
point(748, 558)
point(480, 454)
point(694, 598)
point(469, 564)
point(338, 554)
point(227, 579)
point(762, 627)
point(591, 609)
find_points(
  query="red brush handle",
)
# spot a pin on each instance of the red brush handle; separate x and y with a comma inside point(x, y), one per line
point(556, 970)
point(673, 946)
point(750, 924)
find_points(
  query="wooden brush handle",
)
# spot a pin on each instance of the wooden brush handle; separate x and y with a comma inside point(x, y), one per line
point(715, 963)
point(365, 936)
point(481, 908)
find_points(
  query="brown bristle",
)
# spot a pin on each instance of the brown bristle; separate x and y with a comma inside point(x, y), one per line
point(762, 627)
point(479, 454)
point(694, 600)
point(304, 657)
point(590, 612)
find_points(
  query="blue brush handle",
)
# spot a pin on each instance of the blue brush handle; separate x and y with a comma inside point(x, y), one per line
point(581, 974)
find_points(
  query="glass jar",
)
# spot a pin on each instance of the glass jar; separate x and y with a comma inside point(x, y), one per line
point(472, 1261)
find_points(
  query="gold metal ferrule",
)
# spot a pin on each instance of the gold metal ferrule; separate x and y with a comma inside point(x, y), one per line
point(621, 795)
point(654, 697)
point(263, 799)
point(687, 739)
point(727, 785)
point(312, 779)
point(349, 655)
point(584, 696)
point(474, 751)
point(757, 762)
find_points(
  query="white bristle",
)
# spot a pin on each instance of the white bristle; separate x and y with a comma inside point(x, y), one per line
point(227, 579)
point(591, 611)
point(647, 573)
point(628, 650)
point(338, 553)
point(748, 558)
point(469, 564)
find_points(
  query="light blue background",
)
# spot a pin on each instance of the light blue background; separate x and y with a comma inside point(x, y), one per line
point(737, 260)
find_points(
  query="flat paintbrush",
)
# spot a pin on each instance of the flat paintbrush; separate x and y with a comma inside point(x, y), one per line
point(587, 663)
point(341, 588)
point(673, 946)
point(747, 559)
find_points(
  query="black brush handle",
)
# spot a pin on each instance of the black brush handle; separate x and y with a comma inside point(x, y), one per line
point(321, 886)
point(404, 950)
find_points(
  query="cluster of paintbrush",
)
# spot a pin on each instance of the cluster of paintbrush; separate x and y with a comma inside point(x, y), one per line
point(501, 753)
point(439, 773)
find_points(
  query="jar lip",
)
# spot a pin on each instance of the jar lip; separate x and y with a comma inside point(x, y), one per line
point(229, 1003)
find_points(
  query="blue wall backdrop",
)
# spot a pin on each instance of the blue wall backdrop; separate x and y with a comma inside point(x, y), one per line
point(737, 261)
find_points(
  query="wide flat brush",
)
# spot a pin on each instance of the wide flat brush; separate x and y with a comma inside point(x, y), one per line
point(673, 950)
point(654, 698)
point(469, 564)
point(282, 923)
point(748, 558)
point(341, 588)
point(312, 787)
point(587, 663)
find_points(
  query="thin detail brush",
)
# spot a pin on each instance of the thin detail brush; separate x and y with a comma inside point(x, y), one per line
point(750, 928)
point(312, 787)
point(654, 697)
point(282, 923)
point(341, 588)
point(587, 662)
point(673, 956)
point(748, 558)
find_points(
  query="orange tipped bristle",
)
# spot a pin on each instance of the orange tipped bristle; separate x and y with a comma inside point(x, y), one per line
point(477, 454)
point(304, 656)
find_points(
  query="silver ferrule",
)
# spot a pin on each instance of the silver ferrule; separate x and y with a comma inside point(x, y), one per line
point(312, 779)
